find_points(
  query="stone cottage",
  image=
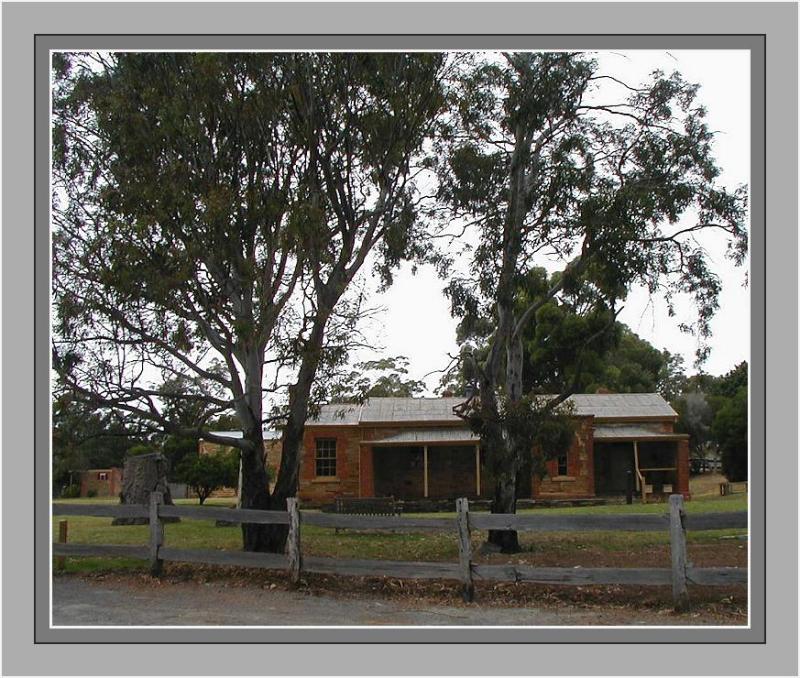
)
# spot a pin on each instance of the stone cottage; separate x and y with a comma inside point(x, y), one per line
point(417, 448)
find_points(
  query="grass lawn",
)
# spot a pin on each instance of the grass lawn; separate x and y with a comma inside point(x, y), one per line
point(599, 549)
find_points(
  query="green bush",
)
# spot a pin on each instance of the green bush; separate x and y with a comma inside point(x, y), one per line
point(205, 473)
point(71, 492)
point(91, 493)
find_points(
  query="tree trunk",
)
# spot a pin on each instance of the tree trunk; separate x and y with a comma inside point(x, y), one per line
point(255, 495)
point(503, 470)
point(142, 475)
point(504, 499)
point(292, 439)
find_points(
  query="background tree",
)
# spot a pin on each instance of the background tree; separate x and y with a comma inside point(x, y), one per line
point(206, 473)
point(729, 384)
point(84, 439)
point(730, 431)
point(617, 190)
point(187, 415)
point(713, 411)
point(672, 379)
point(386, 377)
point(695, 417)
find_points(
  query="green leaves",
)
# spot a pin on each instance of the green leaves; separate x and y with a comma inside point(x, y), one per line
point(208, 472)
point(386, 377)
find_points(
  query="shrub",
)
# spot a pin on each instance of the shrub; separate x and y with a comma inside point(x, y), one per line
point(205, 473)
point(91, 493)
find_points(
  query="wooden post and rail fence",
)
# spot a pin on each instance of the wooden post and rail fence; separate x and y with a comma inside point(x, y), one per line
point(465, 570)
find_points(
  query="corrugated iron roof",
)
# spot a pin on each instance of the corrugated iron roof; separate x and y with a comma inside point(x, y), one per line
point(386, 410)
point(622, 405)
point(426, 435)
point(409, 409)
point(633, 432)
point(338, 413)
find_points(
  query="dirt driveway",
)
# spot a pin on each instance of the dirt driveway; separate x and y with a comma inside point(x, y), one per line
point(80, 601)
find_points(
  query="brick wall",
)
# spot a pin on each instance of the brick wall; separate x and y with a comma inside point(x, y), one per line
point(314, 490)
point(110, 487)
point(366, 472)
point(579, 481)
point(273, 449)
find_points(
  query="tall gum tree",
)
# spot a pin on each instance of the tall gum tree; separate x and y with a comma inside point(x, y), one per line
point(363, 120)
point(618, 190)
point(197, 198)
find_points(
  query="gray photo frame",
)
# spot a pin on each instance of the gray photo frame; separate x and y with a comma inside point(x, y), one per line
point(32, 30)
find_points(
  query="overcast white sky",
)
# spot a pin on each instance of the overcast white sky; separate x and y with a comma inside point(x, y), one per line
point(417, 322)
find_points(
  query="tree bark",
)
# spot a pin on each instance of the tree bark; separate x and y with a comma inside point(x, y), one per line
point(142, 475)
point(255, 495)
point(294, 429)
point(504, 452)
point(505, 501)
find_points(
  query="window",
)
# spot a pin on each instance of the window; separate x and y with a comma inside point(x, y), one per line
point(326, 456)
point(562, 464)
point(102, 475)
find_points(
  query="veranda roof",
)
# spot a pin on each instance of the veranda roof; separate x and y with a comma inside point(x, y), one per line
point(429, 436)
point(622, 433)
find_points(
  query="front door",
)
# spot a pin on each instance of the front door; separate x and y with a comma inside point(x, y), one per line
point(612, 461)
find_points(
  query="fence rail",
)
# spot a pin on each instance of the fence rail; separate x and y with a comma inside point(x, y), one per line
point(465, 571)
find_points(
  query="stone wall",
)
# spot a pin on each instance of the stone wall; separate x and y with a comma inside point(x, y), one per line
point(579, 480)
point(316, 491)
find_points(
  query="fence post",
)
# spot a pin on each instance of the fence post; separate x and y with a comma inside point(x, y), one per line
point(677, 537)
point(293, 540)
point(61, 561)
point(156, 534)
point(464, 549)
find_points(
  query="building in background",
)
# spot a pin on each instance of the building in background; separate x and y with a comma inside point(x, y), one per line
point(417, 448)
point(101, 482)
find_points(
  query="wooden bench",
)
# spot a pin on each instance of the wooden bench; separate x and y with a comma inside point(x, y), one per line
point(367, 506)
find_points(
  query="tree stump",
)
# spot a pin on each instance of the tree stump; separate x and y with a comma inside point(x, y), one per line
point(142, 475)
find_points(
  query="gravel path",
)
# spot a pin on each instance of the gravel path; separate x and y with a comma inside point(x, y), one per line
point(78, 601)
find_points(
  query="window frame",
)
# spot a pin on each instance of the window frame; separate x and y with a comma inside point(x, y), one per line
point(323, 459)
point(565, 467)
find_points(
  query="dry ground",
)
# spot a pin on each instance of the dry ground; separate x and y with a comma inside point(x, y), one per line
point(202, 597)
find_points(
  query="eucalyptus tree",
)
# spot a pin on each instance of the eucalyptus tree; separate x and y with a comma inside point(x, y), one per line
point(175, 176)
point(365, 122)
point(618, 190)
point(210, 211)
